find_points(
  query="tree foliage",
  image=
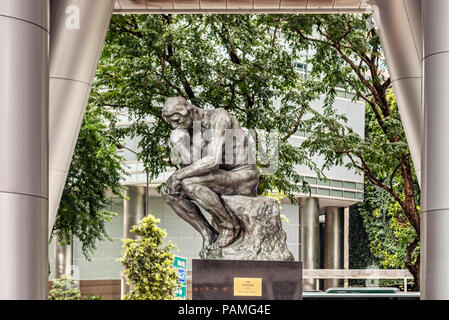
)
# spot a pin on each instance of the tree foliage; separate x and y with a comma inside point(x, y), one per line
point(360, 256)
point(348, 54)
point(214, 61)
point(388, 230)
point(242, 64)
point(94, 176)
point(148, 263)
point(380, 234)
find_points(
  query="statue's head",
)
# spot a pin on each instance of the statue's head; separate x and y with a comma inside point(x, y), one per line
point(178, 111)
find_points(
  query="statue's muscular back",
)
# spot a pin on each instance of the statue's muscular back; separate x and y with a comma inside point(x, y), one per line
point(220, 122)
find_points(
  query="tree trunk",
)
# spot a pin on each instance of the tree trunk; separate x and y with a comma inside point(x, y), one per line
point(409, 204)
point(413, 268)
point(412, 214)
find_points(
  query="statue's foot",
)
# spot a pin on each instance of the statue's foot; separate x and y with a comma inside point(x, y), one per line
point(226, 237)
point(204, 253)
point(207, 245)
point(210, 253)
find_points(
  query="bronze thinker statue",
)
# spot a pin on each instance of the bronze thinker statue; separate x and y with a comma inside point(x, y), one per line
point(218, 173)
point(204, 181)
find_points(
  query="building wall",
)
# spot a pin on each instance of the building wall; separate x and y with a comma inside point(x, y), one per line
point(355, 113)
point(103, 264)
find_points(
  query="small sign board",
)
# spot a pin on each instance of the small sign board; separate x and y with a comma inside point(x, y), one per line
point(180, 264)
point(248, 287)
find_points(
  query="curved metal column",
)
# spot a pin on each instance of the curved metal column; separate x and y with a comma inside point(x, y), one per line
point(400, 31)
point(333, 243)
point(24, 148)
point(309, 237)
point(435, 200)
point(74, 55)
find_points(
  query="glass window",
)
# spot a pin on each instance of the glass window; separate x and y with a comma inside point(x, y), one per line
point(337, 183)
point(310, 180)
point(323, 192)
point(337, 193)
point(350, 95)
point(323, 182)
point(349, 194)
point(340, 93)
point(302, 67)
point(300, 133)
point(349, 185)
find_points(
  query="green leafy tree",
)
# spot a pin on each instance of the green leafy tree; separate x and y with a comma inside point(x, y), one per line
point(360, 256)
point(388, 230)
point(348, 54)
point(240, 63)
point(148, 263)
point(214, 61)
point(94, 175)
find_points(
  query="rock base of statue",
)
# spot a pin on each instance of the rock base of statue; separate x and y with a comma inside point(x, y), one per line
point(262, 236)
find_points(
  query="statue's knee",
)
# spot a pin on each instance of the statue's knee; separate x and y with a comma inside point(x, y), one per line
point(189, 186)
point(164, 194)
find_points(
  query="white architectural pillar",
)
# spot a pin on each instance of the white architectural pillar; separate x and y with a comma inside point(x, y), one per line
point(23, 149)
point(133, 212)
point(77, 32)
point(333, 243)
point(309, 237)
point(435, 183)
point(400, 30)
point(63, 258)
point(133, 209)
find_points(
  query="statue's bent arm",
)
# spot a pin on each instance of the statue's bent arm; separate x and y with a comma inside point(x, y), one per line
point(215, 153)
point(180, 145)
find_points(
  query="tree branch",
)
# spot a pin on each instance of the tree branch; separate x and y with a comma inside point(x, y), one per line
point(297, 124)
point(120, 29)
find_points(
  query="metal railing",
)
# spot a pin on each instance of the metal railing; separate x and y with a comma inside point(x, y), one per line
point(364, 274)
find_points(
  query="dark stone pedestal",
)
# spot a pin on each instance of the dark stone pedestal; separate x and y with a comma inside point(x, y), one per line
point(246, 280)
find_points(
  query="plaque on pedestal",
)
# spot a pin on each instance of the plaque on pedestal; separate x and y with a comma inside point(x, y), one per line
point(246, 280)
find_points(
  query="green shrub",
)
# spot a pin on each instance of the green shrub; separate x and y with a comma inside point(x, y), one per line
point(148, 263)
point(64, 288)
